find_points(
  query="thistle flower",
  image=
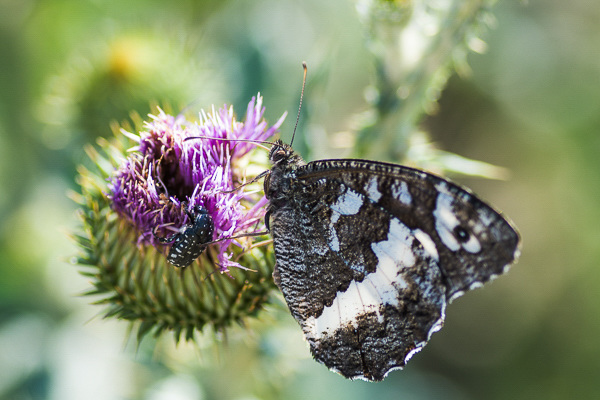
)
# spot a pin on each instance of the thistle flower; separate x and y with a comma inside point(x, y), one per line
point(132, 200)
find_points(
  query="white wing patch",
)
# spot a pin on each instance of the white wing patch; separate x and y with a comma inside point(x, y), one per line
point(347, 204)
point(397, 250)
point(472, 245)
point(378, 288)
point(334, 241)
point(372, 189)
point(401, 193)
point(446, 222)
point(428, 244)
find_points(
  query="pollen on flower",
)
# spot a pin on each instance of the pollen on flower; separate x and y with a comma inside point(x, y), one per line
point(165, 177)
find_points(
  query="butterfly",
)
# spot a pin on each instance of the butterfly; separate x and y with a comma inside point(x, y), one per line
point(368, 255)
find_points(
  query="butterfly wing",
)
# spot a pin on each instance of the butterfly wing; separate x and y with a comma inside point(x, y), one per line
point(368, 254)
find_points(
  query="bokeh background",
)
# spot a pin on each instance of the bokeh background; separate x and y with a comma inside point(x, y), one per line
point(531, 104)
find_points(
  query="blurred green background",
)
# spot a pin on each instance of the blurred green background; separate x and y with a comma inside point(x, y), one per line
point(531, 104)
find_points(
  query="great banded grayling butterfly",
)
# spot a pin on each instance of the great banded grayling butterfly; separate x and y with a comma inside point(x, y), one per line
point(368, 255)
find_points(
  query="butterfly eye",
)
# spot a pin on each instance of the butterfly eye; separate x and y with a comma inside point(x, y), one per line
point(461, 234)
point(279, 155)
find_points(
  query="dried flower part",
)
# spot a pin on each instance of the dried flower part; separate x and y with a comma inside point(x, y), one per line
point(134, 192)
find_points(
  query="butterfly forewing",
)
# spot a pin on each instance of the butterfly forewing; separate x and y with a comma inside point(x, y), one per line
point(473, 242)
point(368, 254)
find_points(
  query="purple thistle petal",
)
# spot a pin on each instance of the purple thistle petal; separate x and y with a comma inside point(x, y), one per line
point(164, 173)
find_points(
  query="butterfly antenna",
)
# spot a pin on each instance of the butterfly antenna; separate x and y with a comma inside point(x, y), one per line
point(253, 141)
point(300, 106)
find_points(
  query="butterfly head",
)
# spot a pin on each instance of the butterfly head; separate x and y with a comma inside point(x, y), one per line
point(282, 155)
point(278, 180)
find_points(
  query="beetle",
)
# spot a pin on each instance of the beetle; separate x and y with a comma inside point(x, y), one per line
point(192, 238)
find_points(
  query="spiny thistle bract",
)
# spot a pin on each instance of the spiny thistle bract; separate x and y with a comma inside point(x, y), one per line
point(133, 195)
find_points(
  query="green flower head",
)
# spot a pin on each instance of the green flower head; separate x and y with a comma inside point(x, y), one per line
point(141, 197)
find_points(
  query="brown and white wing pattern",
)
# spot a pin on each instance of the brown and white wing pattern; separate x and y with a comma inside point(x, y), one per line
point(368, 254)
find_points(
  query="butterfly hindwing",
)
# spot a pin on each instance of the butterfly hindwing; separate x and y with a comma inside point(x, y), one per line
point(368, 254)
point(366, 292)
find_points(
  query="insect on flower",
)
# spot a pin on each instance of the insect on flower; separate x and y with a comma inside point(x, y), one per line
point(164, 172)
point(369, 254)
point(148, 193)
point(191, 240)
